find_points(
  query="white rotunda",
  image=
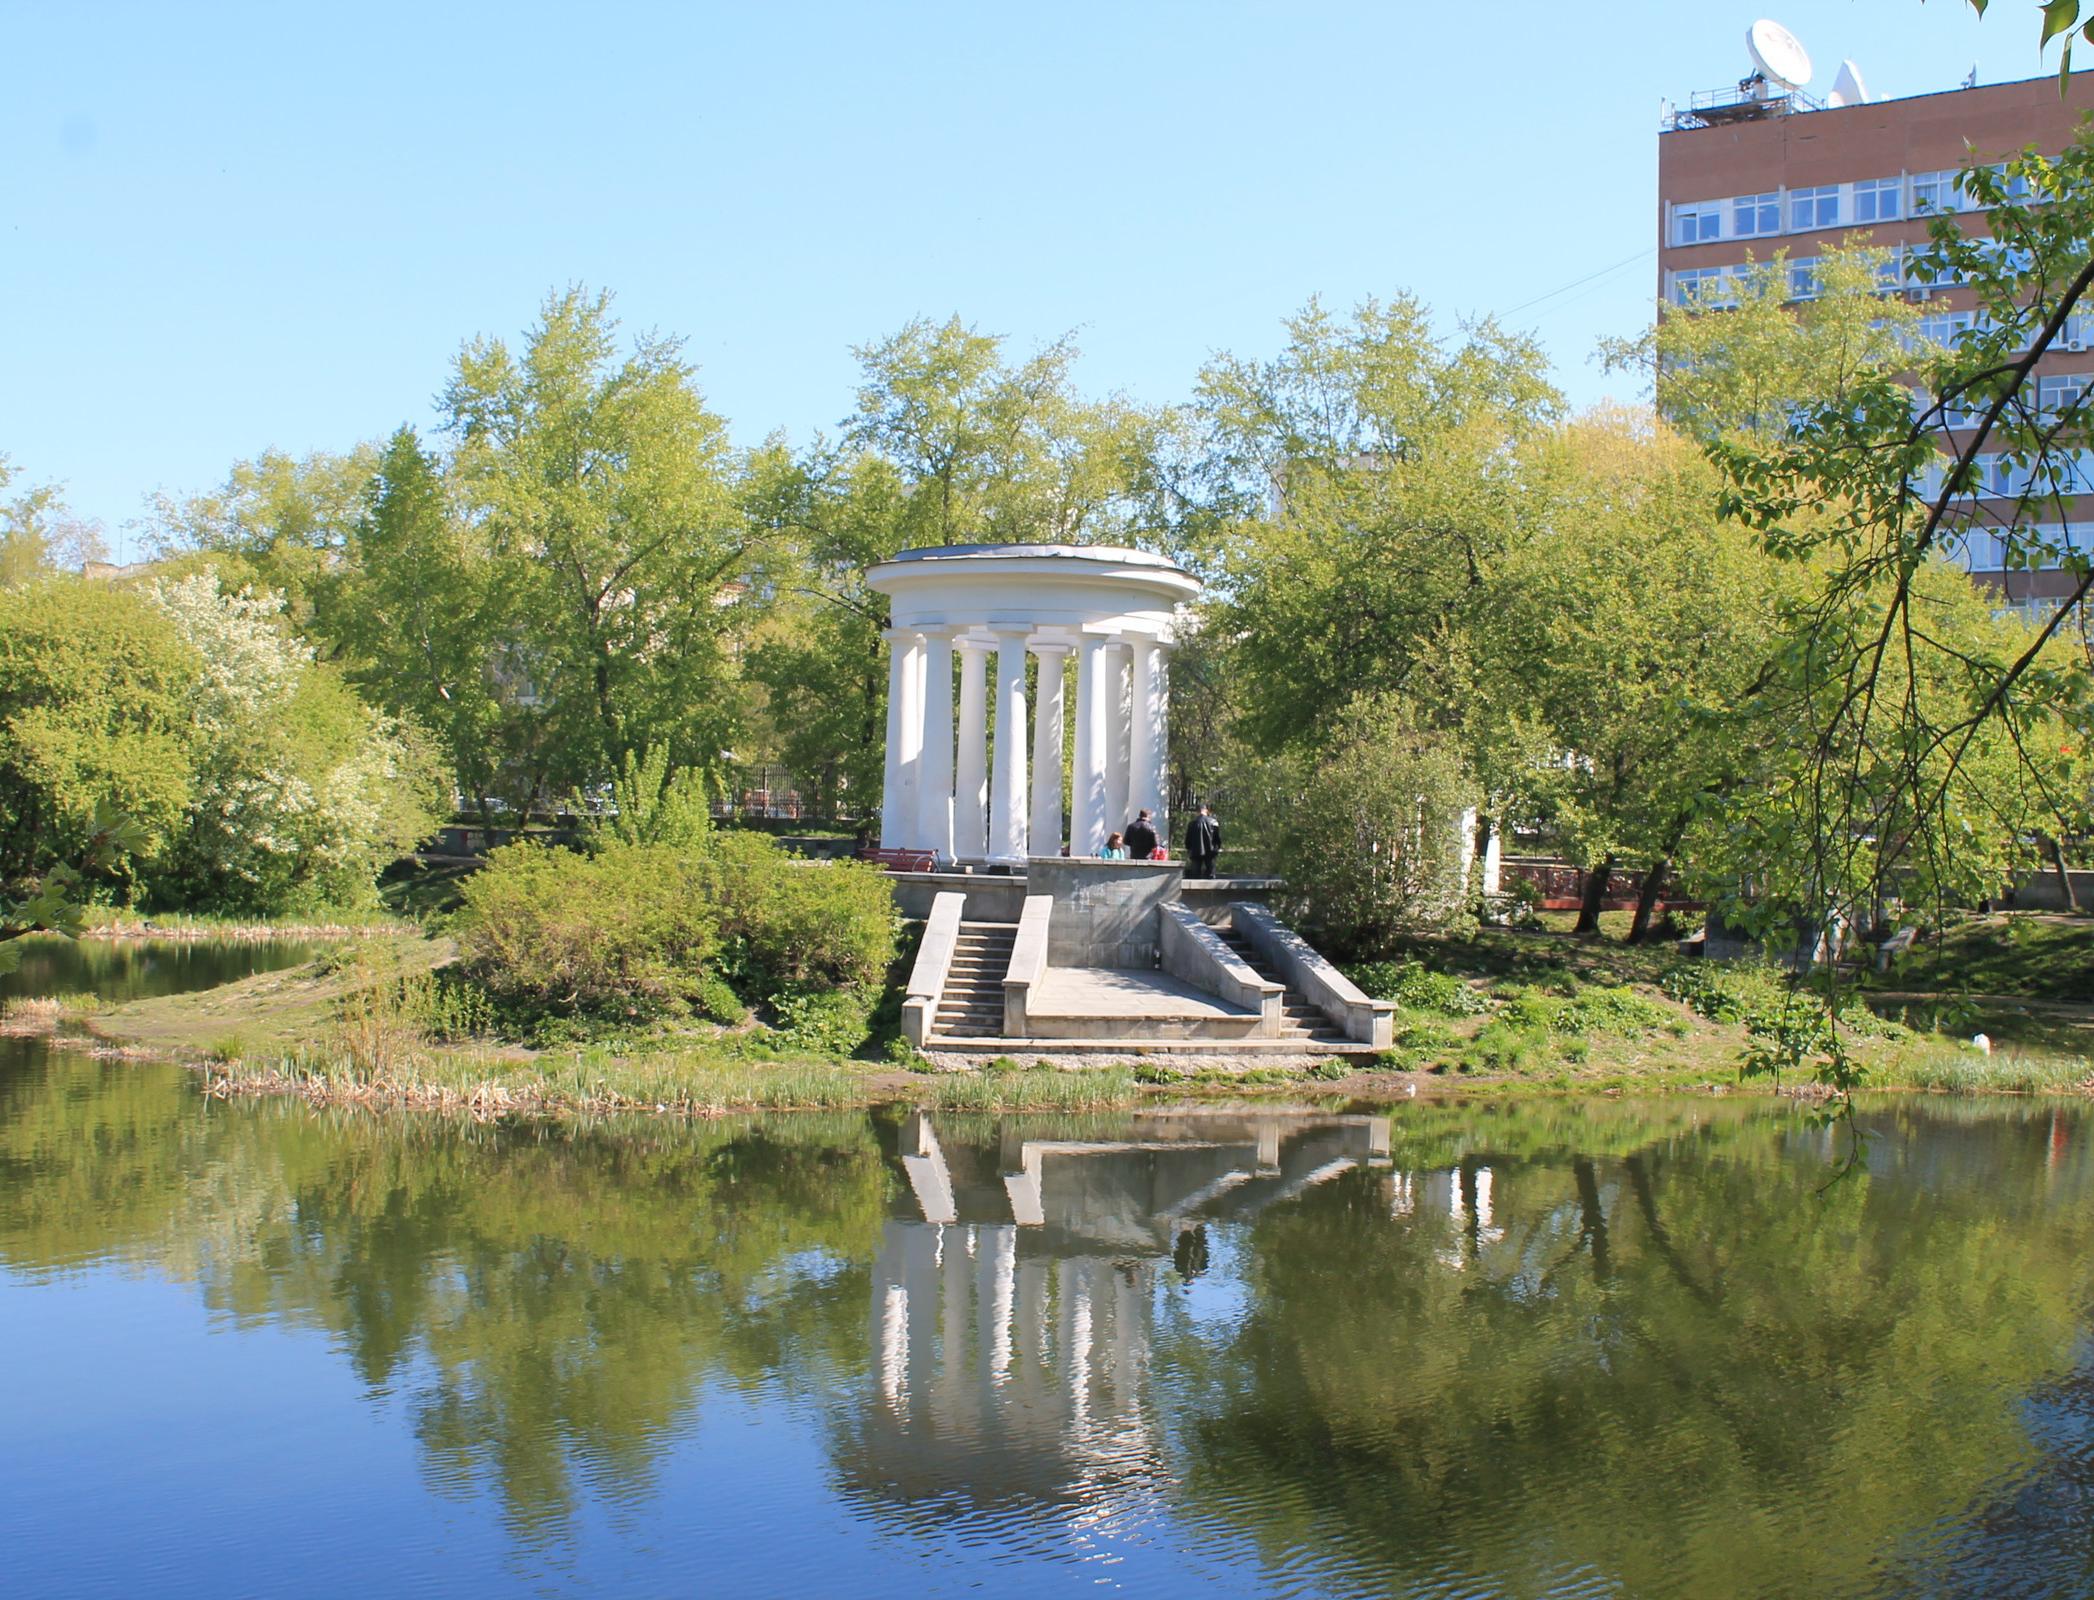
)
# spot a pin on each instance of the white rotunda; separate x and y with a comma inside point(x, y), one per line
point(1114, 609)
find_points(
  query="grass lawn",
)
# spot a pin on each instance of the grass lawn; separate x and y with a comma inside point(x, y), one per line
point(2032, 955)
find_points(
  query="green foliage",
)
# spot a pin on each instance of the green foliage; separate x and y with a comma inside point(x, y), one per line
point(39, 538)
point(1769, 358)
point(651, 804)
point(302, 793)
point(1366, 829)
point(1911, 741)
point(1727, 991)
point(1415, 987)
point(56, 901)
point(95, 694)
point(715, 999)
point(1365, 477)
point(623, 934)
point(597, 487)
point(1616, 1010)
point(1533, 1030)
point(1329, 1071)
point(790, 923)
point(821, 1021)
point(634, 932)
point(417, 618)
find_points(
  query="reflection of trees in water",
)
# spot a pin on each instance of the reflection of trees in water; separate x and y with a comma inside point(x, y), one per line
point(549, 1301)
point(1678, 1367)
point(1627, 1341)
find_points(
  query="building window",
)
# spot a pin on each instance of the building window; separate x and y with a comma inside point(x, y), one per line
point(1703, 286)
point(1876, 200)
point(1697, 224)
point(1983, 552)
point(2014, 185)
point(1936, 191)
point(1814, 208)
point(1803, 279)
point(1958, 410)
point(1754, 214)
point(2062, 392)
point(1945, 327)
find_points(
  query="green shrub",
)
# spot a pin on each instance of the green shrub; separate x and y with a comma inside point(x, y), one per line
point(1328, 1071)
point(1619, 1010)
point(791, 922)
point(625, 933)
point(1515, 1043)
point(832, 1022)
point(715, 1000)
point(1412, 985)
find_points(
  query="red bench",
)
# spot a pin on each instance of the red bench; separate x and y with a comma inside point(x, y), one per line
point(902, 860)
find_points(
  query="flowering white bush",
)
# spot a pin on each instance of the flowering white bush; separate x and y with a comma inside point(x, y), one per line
point(302, 792)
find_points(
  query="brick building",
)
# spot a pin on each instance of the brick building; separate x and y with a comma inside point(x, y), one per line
point(1748, 172)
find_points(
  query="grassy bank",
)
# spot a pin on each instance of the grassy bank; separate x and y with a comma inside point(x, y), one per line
point(103, 923)
point(1495, 1014)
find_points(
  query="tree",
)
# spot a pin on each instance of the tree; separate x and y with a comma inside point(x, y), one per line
point(1750, 364)
point(1912, 723)
point(1369, 477)
point(39, 538)
point(1366, 827)
point(95, 690)
point(54, 903)
point(993, 452)
point(600, 487)
point(413, 623)
point(300, 793)
point(1616, 641)
point(291, 522)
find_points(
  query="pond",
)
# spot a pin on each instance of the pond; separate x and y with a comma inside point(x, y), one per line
point(138, 969)
point(1591, 1348)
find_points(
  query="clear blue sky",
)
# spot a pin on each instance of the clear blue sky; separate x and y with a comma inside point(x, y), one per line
point(229, 228)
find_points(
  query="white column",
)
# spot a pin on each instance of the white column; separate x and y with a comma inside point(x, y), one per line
point(1118, 742)
point(1045, 835)
point(1145, 759)
point(892, 824)
point(1494, 856)
point(934, 776)
point(906, 819)
point(1007, 782)
point(1093, 731)
point(970, 801)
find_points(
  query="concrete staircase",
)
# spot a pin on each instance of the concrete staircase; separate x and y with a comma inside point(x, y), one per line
point(1303, 1024)
point(971, 1004)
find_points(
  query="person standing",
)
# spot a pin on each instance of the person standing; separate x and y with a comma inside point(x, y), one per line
point(1202, 844)
point(1141, 838)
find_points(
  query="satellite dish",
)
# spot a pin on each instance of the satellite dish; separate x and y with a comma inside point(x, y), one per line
point(1847, 88)
point(1778, 54)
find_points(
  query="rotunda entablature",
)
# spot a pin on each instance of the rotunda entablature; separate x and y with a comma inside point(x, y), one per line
point(1055, 591)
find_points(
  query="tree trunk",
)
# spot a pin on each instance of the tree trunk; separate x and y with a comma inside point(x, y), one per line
point(2064, 873)
point(1647, 898)
point(1595, 891)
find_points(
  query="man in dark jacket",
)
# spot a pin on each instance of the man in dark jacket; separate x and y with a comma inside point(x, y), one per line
point(1202, 844)
point(1141, 837)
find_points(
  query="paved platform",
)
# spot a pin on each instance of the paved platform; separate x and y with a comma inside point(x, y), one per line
point(1128, 994)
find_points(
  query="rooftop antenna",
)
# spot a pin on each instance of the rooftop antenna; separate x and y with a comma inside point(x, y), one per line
point(1847, 88)
point(1778, 55)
